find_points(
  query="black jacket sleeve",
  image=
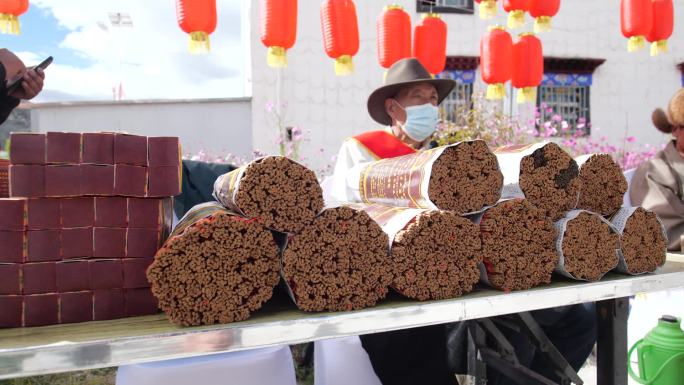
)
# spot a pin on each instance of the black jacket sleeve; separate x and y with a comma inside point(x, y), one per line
point(7, 103)
point(198, 184)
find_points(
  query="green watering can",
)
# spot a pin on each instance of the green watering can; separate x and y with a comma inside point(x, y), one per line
point(661, 354)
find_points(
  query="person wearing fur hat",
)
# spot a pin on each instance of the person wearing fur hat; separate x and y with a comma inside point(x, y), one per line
point(657, 185)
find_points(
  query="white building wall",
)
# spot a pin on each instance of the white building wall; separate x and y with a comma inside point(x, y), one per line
point(626, 88)
point(217, 126)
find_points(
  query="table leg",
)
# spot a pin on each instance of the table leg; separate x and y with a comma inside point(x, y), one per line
point(612, 341)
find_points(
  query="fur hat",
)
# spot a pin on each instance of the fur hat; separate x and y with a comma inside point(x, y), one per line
point(665, 123)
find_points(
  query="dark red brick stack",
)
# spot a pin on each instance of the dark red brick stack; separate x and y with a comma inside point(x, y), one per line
point(4, 178)
point(86, 215)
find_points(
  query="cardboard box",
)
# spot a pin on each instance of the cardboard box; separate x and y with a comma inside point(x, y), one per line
point(97, 179)
point(41, 310)
point(12, 311)
point(111, 212)
point(63, 181)
point(164, 151)
point(98, 148)
point(139, 302)
point(13, 214)
point(63, 148)
point(75, 307)
point(163, 181)
point(144, 212)
point(142, 243)
point(27, 148)
point(78, 212)
point(10, 278)
point(39, 278)
point(72, 276)
point(44, 245)
point(135, 272)
point(105, 274)
point(43, 214)
point(108, 304)
point(12, 247)
point(130, 181)
point(78, 243)
point(27, 181)
point(130, 149)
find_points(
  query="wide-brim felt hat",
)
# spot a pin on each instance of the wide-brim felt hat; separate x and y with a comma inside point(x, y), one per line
point(404, 73)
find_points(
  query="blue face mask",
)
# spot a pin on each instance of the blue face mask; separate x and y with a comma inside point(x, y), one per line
point(421, 121)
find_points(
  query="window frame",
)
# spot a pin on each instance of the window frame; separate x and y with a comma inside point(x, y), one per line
point(421, 7)
point(584, 106)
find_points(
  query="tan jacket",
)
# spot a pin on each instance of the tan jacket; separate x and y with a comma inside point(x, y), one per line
point(657, 186)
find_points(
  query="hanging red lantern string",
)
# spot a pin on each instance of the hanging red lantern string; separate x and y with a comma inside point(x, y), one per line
point(543, 11)
point(429, 43)
point(636, 19)
point(340, 33)
point(528, 67)
point(10, 10)
point(278, 29)
point(197, 18)
point(394, 35)
point(516, 12)
point(662, 26)
point(487, 8)
point(496, 48)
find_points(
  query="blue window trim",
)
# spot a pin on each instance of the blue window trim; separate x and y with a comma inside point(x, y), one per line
point(559, 80)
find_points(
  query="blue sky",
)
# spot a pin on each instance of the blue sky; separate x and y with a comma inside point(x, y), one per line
point(150, 60)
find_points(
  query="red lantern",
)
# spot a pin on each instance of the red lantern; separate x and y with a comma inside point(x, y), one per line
point(636, 19)
point(340, 33)
point(543, 11)
point(197, 18)
point(487, 8)
point(10, 10)
point(528, 67)
point(516, 12)
point(662, 26)
point(496, 49)
point(394, 35)
point(278, 27)
point(429, 43)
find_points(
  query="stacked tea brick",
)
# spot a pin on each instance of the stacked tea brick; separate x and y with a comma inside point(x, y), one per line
point(86, 214)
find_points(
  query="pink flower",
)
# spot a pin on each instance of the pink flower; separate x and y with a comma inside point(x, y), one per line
point(556, 118)
point(631, 139)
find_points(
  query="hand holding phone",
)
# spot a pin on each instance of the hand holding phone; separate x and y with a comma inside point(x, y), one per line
point(17, 84)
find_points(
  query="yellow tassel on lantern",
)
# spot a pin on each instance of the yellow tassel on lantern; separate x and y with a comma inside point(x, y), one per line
point(658, 47)
point(636, 43)
point(344, 65)
point(542, 24)
point(9, 24)
point(496, 91)
point(199, 43)
point(527, 95)
point(487, 9)
point(276, 57)
point(516, 19)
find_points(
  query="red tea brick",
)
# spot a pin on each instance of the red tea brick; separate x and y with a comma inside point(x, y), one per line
point(41, 310)
point(27, 181)
point(72, 276)
point(163, 181)
point(111, 212)
point(144, 212)
point(77, 243)
point(139, 302)
point(63, 181)
point(164, 151)
point(97, 179)
point(10, 278)
point(63, 147)
point(108, 304)
point(110, 242)
point(135, 272)
point(12, 246)
point(43, 214)
point(78, 212)
point(130, 180)
point(12, 311)
point(27, 148)
point(98, 148)
point(43, 245)
point(130, 149)
point(39, 278)
point(142, 243)
point(75, 307)
point(12, 214)
point(106, 274)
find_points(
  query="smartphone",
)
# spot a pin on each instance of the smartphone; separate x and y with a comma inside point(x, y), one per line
point(17, 83)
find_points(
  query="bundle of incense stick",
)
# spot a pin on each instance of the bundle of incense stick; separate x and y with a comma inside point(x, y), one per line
point(587, 246)
point(216, 267)
point(280, 193)
point(517, 245)
point(339, 262)
point(643, 240)
point(603, 184)
point(542, 173)
point(435, 253)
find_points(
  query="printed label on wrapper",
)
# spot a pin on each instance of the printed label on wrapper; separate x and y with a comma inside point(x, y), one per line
point(197, 213)
point(391, 219)
point(226, 188)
